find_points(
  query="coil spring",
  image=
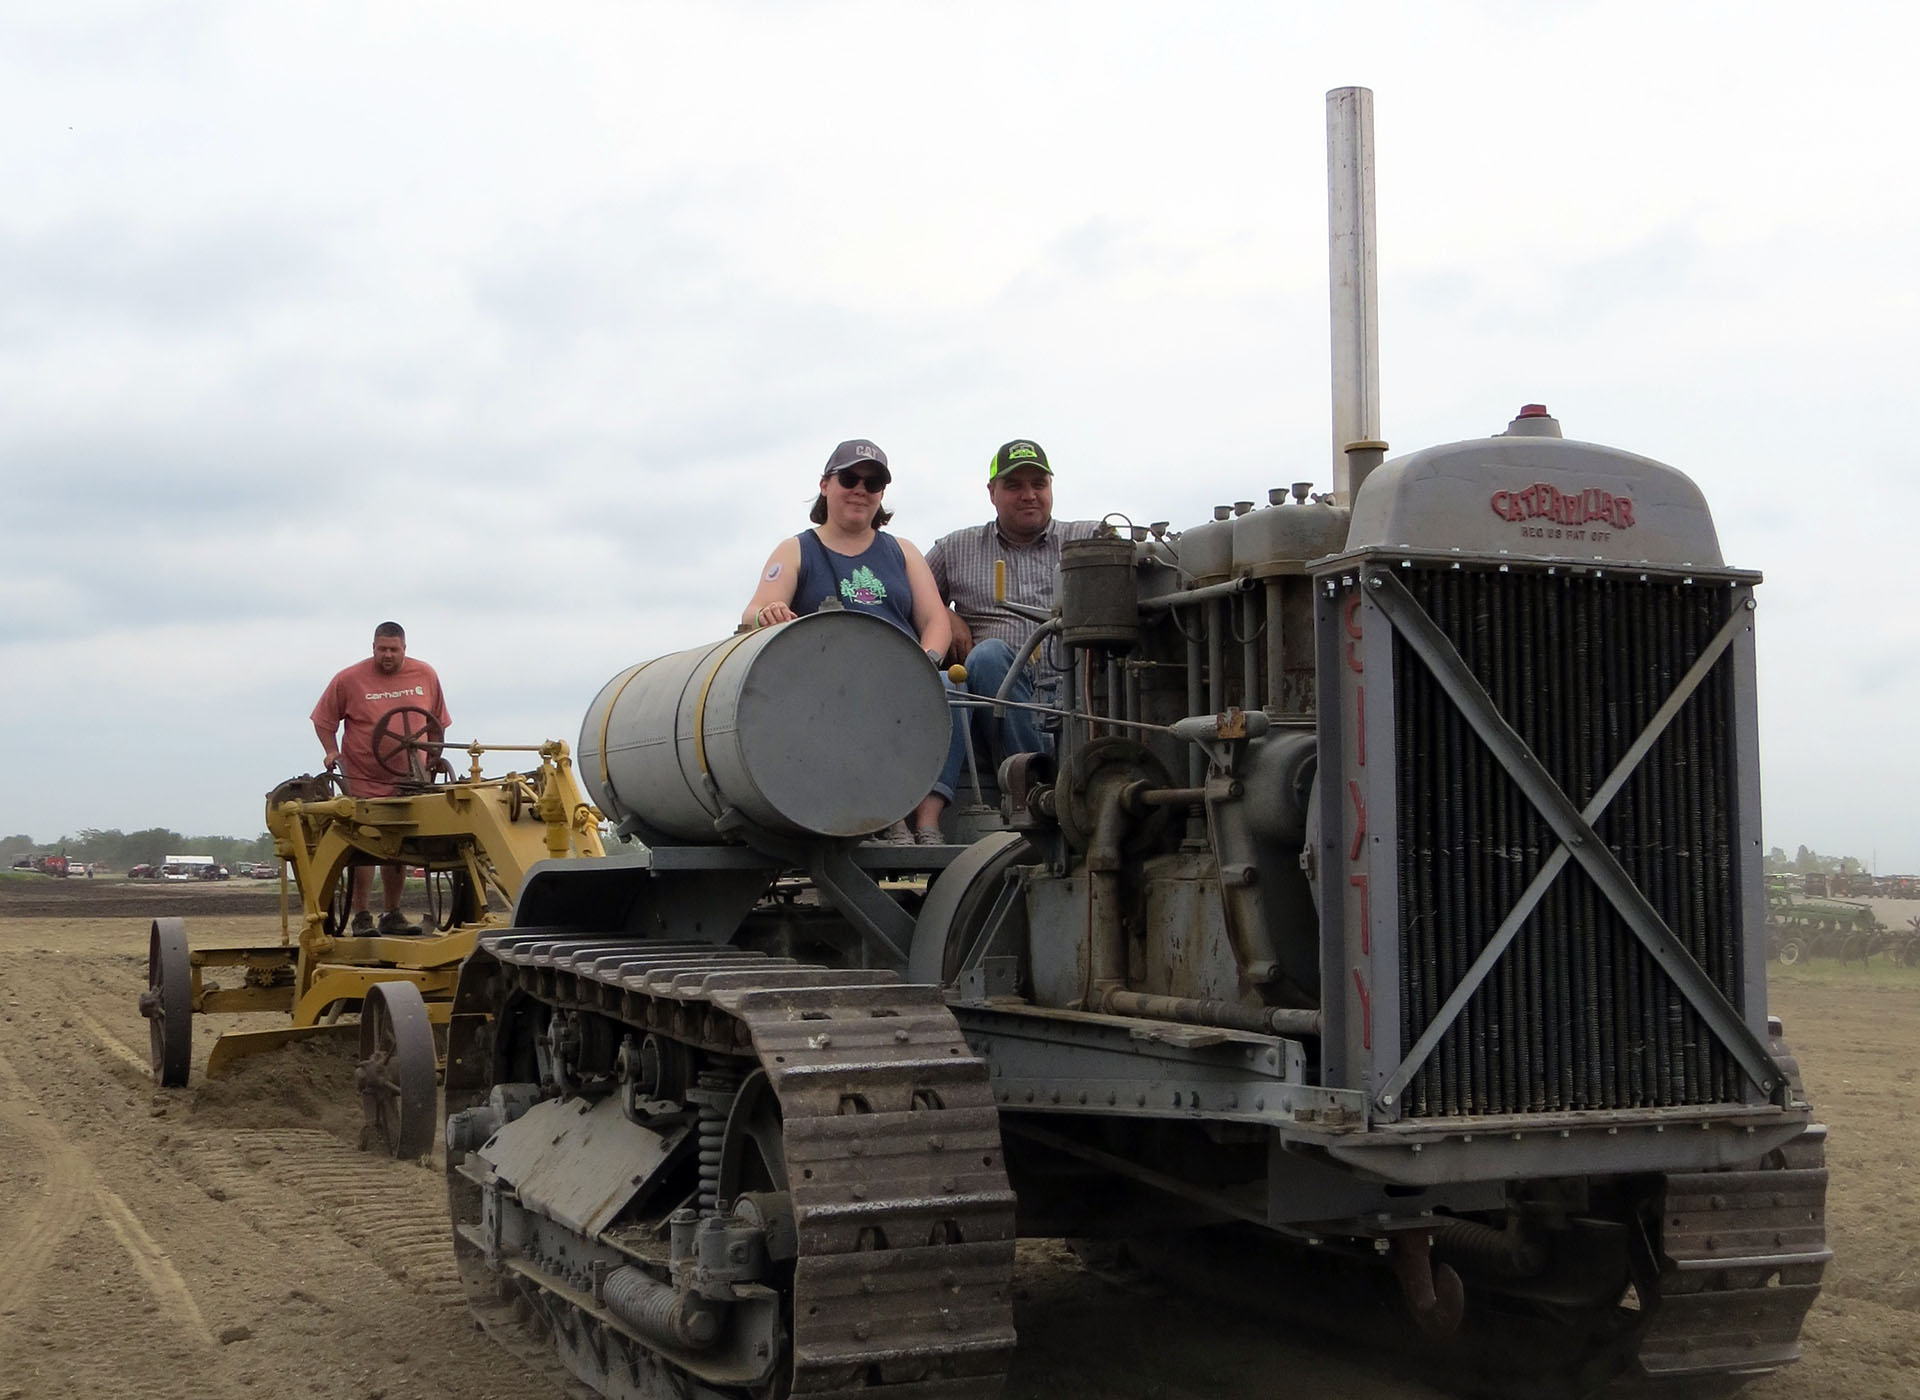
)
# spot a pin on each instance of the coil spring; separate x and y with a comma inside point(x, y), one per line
point(714, 1094)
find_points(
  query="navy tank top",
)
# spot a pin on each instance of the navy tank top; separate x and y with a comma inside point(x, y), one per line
point(874, 581)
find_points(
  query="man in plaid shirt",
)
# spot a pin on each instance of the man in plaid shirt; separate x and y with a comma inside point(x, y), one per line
point(1024, 533)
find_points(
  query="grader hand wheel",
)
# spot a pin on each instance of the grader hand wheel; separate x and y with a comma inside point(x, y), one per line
point(406, 743)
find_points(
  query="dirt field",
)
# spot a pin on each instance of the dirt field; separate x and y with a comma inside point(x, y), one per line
point(230, 1240)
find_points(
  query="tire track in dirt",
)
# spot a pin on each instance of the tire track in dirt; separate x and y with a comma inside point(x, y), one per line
point(38, 1226)
point(112, 1043)
point(72, 1183)
point(151, 1262)
point(284, 1179)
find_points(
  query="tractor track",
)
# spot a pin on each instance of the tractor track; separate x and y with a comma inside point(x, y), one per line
point(285, 1180)
point(891, 1142)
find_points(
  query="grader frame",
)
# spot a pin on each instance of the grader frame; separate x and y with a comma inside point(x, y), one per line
point(476, 837)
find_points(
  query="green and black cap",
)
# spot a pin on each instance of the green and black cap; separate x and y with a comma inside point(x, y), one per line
point(1021, 452)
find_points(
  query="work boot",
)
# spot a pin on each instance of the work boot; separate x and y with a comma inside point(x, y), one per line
point(394, 924)
point(362, 923)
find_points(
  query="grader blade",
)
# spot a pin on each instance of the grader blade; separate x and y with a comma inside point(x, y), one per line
point(238, 1045)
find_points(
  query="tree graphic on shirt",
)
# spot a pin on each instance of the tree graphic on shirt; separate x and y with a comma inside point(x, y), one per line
point(863, 586)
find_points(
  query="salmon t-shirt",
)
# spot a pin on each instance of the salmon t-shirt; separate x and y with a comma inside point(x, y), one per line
point(359, 696)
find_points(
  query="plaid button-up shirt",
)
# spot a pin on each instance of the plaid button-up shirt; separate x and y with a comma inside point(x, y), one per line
point(962, 564)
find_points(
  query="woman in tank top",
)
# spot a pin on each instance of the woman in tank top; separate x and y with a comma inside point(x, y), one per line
point(847, 555)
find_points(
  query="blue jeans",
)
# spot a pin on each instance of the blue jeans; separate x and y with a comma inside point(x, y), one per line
point(997, 733)
point(956, 744)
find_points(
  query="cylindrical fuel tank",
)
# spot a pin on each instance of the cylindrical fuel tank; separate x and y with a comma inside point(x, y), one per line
point(1099, 594)
point(829, 725)
point(1269, 540)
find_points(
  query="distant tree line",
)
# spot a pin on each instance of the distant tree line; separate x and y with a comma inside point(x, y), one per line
point(1809, 862)
point(114, 849)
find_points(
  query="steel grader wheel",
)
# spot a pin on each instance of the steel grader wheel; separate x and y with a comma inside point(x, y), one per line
point(398, 1070)
point(168, 1003)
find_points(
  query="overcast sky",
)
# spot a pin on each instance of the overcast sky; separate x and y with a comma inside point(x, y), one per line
point(530, 326)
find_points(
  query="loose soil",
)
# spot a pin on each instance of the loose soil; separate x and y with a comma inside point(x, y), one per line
point(231, 1240)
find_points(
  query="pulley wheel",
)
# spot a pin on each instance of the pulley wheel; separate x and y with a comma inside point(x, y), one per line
point(168, 1003)
point(398, 1070)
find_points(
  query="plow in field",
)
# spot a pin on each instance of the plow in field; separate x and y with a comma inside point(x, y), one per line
point(1798, 929)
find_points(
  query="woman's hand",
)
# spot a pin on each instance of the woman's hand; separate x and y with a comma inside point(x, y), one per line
point(769, 613)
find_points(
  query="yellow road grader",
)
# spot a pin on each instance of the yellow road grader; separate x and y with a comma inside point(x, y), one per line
point(474, 837)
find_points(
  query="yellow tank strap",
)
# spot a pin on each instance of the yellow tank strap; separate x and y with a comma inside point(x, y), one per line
point(700, 708)
point(606, 720)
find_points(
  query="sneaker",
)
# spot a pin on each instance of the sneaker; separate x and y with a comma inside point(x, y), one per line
point(362, 922)
point(393, 923)
point(928, 836)
point(898, 835)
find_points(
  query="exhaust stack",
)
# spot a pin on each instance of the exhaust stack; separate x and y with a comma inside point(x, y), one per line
point(1353, 282)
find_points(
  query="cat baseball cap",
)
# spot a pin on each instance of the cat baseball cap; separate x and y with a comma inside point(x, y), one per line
point(1021, 452)
point(858, 452)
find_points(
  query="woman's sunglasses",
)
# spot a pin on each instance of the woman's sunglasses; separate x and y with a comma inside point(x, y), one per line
point(851, 480)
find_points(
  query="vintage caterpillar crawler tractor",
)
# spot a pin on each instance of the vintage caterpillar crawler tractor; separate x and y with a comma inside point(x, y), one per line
point(1385, 940)
point(474, 836)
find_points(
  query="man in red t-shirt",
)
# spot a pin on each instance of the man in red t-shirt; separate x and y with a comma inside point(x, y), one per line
point(359, 697)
